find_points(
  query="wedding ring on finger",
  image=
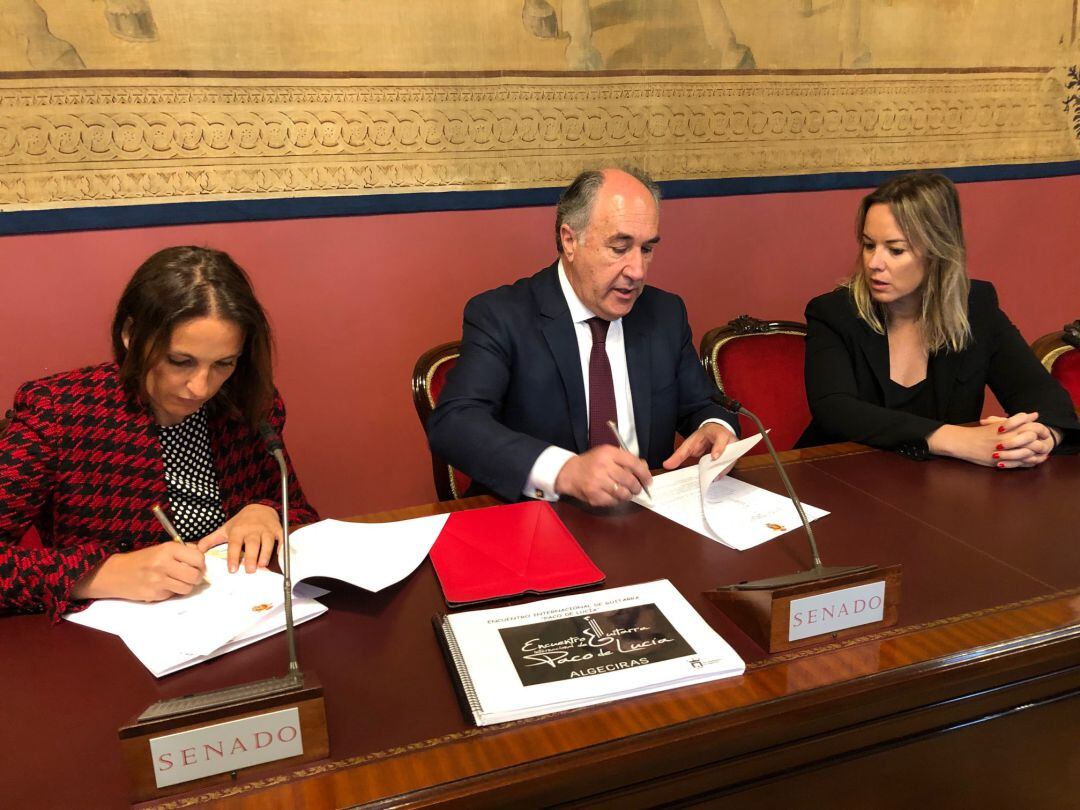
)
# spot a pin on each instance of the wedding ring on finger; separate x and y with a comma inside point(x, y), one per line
point(615, 488)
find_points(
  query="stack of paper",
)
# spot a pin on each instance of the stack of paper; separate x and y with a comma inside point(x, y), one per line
point(235, 610)
point(732, 512)
point(572, 651)
point(230, 612)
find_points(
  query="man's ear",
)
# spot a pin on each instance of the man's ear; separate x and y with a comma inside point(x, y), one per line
point(125, 333)
point(569, 241)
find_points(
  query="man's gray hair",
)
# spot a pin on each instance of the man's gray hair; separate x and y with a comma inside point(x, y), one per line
point(576, 203)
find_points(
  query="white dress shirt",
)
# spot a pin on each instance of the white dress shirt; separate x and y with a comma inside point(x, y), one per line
point(548, 465)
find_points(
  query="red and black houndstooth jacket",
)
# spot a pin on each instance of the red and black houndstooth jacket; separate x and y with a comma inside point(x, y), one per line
point(81, 461)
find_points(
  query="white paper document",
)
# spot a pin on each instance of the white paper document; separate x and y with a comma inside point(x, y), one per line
point(371, 556)
point(571, 651)
point(234, 610)
point(735, 513)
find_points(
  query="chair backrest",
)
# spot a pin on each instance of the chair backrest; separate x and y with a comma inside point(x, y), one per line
point(428, 379)
point(1059, 352)
point(760, 364)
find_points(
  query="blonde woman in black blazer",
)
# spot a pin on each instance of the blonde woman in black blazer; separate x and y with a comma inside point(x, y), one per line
point(900, 356)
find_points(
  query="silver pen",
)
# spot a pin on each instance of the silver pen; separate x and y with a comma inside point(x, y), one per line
point(618, 437)
point(166, 524)
point(170, 530)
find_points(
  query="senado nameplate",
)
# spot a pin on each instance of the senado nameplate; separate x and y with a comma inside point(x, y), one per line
point(222, 747)
point(837, 610)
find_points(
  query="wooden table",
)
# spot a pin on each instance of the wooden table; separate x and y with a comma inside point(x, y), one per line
point(971, 700)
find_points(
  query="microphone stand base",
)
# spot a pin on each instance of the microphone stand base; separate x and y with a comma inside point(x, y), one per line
point(816, 574)
point(212, 737)
point(763, 608)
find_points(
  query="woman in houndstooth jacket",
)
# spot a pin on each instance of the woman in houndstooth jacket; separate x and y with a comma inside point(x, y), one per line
point(173, 420)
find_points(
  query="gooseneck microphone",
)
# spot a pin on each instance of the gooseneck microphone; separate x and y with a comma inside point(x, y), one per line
point(817, 571)
point(276, 448)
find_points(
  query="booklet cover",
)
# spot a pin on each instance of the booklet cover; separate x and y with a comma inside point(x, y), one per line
point(572, 651)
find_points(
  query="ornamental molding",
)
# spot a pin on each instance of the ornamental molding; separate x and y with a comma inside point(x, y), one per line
point(93, 141)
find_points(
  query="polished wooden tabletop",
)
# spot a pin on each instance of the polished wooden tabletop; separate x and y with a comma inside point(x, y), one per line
point(989, 620)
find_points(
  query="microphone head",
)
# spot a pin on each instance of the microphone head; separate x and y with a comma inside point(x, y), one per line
point(270, 437)
point(724, 401)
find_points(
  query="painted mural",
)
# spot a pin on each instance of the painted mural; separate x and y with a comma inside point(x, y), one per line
point(133, 101)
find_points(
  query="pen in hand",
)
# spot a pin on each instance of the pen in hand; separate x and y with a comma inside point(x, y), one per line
point(618, 437)
point(170, 530)
point(166, 524)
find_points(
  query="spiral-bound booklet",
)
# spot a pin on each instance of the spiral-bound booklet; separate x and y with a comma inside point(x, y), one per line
point(573, 651)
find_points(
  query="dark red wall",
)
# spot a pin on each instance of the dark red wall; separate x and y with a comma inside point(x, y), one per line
point(355, 300)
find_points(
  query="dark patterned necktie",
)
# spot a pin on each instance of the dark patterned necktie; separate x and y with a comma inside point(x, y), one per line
point(601, 389)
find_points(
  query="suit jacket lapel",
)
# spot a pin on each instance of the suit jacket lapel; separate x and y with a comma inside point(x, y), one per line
point(639, 369)
point(876, 349)
point(559, 333)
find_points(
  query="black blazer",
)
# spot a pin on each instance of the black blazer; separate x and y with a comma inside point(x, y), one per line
point(518, 386)
point(847, 369)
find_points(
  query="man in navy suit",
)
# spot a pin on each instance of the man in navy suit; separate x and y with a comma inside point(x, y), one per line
point(521, 410)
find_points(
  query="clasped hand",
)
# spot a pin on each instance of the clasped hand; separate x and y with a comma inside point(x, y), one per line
point(1017, 441)
point(1022, 441)
point(608, 475)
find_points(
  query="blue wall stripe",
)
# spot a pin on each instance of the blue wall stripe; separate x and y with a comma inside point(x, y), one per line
point(188, 213)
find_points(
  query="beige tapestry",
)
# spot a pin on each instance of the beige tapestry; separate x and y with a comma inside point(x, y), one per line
point(142, 101)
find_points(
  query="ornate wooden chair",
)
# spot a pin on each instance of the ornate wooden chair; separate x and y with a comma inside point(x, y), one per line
point(1060, 353)
point(760, 363)
point(429, 376)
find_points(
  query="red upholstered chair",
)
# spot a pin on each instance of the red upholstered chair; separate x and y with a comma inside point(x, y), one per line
point(760, 364)
point(429, 376)
point(1060, 353)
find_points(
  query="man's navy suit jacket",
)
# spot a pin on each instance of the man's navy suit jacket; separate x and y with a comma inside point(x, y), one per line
point(518, 386)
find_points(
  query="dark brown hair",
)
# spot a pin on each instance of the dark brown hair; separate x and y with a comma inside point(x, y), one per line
point(176, 285)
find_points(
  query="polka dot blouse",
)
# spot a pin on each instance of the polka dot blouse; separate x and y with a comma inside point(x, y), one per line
point(190, 477)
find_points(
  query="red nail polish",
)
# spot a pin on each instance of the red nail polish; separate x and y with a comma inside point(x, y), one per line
point(1001, 464)
point(996, 455)
point(1001, 429)
point(1000, 447)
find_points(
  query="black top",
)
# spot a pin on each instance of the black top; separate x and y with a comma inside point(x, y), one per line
point(847, 378)
point(917, 399)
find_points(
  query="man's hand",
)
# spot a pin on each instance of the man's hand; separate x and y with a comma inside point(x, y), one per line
point(711, 438)
point(603, 476)
point(253, 532)
point(1017, 441)
point(148, 575)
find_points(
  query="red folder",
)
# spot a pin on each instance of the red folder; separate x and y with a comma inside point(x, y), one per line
point(506, 551)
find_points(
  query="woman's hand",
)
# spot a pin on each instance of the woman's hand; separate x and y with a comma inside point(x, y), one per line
point(148, 575)
point(1017, 441)
point(1025, 442)
point(252, 533)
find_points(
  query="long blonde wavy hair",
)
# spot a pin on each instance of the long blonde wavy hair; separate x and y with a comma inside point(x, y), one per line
point(927, 209)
